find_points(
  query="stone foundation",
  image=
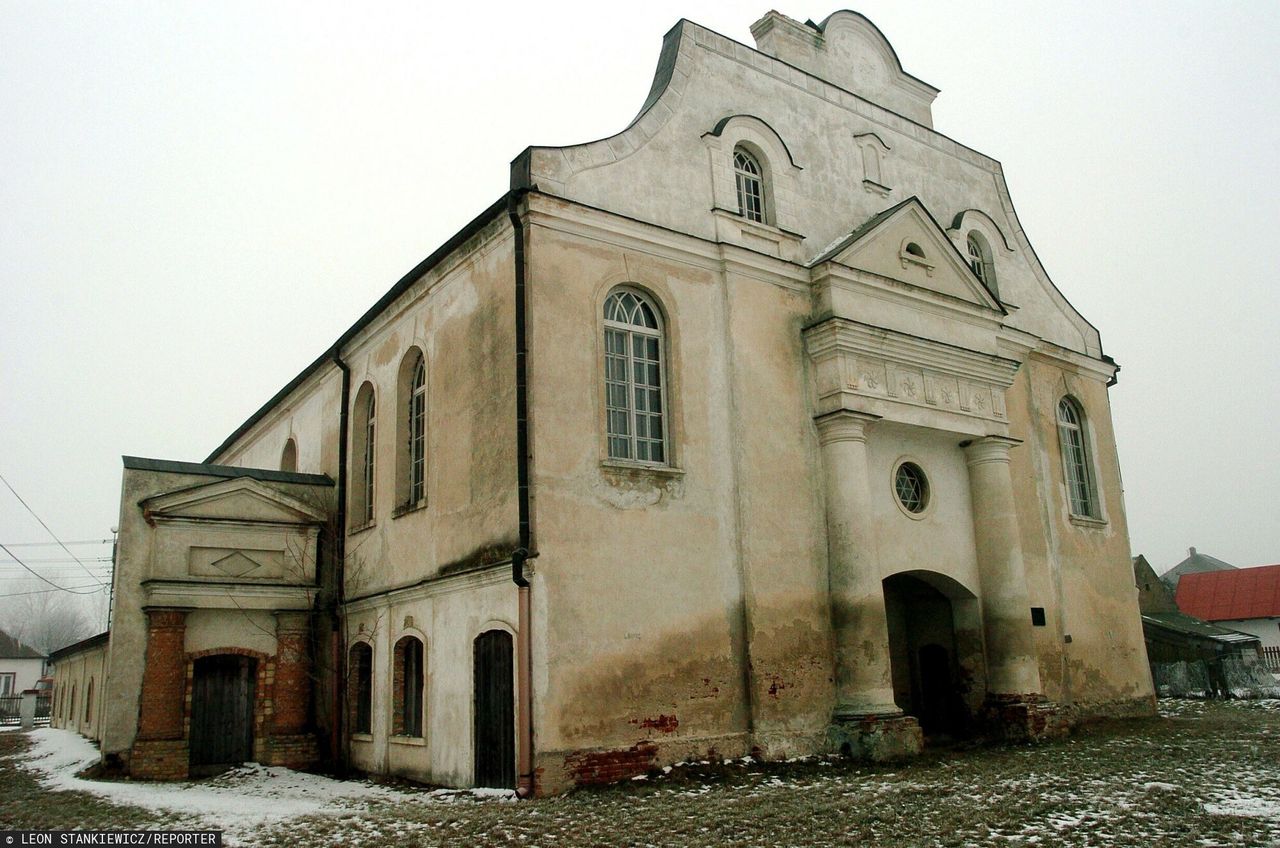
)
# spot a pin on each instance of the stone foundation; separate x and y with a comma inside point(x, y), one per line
point(1024, 718)
point(159, 759)
point(877, 738)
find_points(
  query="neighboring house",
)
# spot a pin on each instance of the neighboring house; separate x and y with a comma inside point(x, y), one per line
point(1244, 599)
point(79, 672)
point(1193, 657)
point(20, 666)
point(756, 428)
point(1195, 563)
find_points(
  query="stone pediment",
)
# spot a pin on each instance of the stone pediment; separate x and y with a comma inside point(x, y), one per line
point(240, 499)
point(906, 244)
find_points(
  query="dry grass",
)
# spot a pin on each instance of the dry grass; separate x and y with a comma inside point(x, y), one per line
point(1204, 774)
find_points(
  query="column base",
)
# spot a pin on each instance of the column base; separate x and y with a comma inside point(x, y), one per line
point(160, 759)
point(1024, 718)
point(878, 738)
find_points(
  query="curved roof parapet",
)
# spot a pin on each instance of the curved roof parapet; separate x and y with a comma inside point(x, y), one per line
point(850, 51)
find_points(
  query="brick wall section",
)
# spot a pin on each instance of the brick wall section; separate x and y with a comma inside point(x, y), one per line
point(159, 759)
point(292, 695)
point(397, 687)
point(160, 715)
point(590, 768)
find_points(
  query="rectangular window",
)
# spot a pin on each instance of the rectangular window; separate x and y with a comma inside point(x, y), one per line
point(6, 683)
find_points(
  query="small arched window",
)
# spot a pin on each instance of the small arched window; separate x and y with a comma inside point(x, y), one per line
point(360, 693)
point(634, 381)
point(88, 702)
point(406, 687)
point(749, 178)
point(411, 432)
point(979, 256)
point(289, 456)
point(1077, 469)
point(364, 436)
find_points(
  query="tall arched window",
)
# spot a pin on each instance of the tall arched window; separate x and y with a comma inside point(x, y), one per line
point(634, 380)
point(749, 178)
point(406, 688)
point(1075, 459)
point(411, 432)
point(365, 444)
point(88, 702)
point(980, 261)
point(360, 692)
point(289, 456)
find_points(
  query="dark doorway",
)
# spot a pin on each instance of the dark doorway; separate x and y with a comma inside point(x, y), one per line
point(927, 682)
point(222, 713)
point(495, 732)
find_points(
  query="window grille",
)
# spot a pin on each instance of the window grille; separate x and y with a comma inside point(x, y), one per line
point(748, 176)
point(634, 386)
point(911, 487)
point(1075, 459)
point(418, 433)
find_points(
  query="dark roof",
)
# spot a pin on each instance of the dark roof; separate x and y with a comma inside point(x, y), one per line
point(1182, 623)
point(1239, 593)
point(454, 242)
point(82, 645)
point(1195, 563)
point(12, 649)
point(207, 469)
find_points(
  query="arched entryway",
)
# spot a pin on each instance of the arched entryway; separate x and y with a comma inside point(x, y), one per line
point(932, 667)
point(494, 711)
point(222, 694)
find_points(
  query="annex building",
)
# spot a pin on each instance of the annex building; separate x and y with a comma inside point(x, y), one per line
point(756, 428)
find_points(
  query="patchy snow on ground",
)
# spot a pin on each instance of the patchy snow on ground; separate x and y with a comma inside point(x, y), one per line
point(237, 802)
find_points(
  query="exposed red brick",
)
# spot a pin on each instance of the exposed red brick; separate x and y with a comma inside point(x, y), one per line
point(164, 676)
point(589, 768)
point(663, 723)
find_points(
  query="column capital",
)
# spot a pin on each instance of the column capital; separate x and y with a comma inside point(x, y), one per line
point(166, 616)
point(292, 622)
point(843, 425)
point(988, 449)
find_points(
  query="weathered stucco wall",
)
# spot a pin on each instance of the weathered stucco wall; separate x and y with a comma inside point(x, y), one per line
point(82, 672)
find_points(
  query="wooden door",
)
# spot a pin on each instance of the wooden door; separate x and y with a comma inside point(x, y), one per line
point(495, 732)
point(222, 713)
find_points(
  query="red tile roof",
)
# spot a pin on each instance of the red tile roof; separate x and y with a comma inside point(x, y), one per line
point(1230, 595)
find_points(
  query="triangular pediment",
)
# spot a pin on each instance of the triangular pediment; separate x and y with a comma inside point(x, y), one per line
point(905, 243)
point(240, 499)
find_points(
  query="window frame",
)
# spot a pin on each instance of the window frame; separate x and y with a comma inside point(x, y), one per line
point(412, 430)
point(408, 712)
point(360, 659)
point(629, 332)
point(741, 183)
point(363, 494)
point(1077, 460)
point(981, 262)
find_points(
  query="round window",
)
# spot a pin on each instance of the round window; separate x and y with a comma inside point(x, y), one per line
point(911, 487)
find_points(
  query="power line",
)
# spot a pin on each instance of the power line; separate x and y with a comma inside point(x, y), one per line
point(64, 559)
point(41, 577)
point(46, 527)
point(51, 544)
point(95, 591)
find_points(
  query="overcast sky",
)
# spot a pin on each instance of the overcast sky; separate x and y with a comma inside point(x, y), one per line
point(198, 198)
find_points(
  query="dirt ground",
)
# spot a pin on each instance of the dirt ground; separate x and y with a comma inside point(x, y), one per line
point(1202, 774)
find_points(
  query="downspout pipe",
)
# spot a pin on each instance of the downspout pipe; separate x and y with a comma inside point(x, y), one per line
point(338, 654)
point(524, 671)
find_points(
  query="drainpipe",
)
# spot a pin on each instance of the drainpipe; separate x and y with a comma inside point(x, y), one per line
point(338, 655)
point(524, 660)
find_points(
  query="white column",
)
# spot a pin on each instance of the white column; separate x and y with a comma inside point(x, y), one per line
point(864, 681)
point(1012, 668)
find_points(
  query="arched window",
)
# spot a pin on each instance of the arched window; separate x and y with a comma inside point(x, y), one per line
point(979, 256)
point(1075, 459)
point(749, 178)
point(360, 692)
point(365, 444)
point(88, 701)
point(411, 432)
point(634, 380)
point(289, 456)
point(406, 688)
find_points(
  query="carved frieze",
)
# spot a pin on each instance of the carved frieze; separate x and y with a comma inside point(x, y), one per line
point(853, 360)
